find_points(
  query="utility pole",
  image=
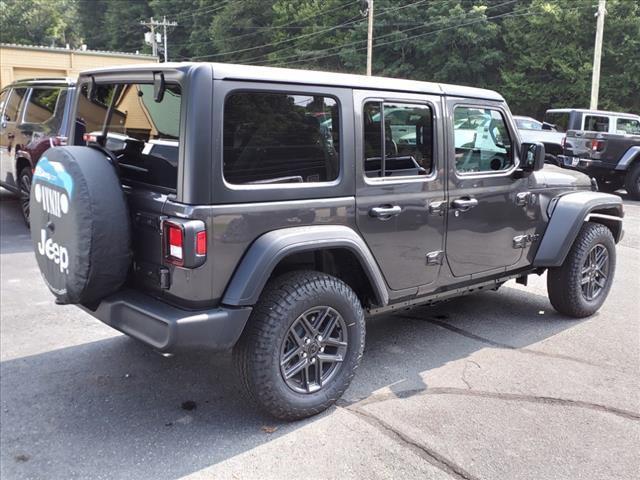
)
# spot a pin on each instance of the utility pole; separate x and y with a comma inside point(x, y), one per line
point(369, 36)
point(597, 54)
point(153, 37)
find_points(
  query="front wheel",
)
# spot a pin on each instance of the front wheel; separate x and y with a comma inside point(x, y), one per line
point(579, 287)
point(302, 345)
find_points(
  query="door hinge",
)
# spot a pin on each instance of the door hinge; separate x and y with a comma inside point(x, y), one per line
point(437, 208)
point(521, 241)
point(435, 258)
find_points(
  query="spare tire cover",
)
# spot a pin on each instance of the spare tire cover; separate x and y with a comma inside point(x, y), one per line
point(79, 224)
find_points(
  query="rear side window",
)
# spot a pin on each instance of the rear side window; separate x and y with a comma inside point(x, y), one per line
point(42, 105)
point(272, 138)
point(596, 123)
point(14, 104)
point(142, 133)
point(628, 126)
point(482, 142)
point(559, 119)
point(406, 141)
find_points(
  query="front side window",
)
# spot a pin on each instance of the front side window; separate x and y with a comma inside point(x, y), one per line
point(595, 123)
point(272, 138)
point(142, 133)
point(404, 147)
point(628, 126)
point(482, 142)
point(14, 103)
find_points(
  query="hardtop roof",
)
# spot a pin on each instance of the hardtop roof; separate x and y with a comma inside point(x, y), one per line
point(594, 112)
point(227, 71)
point(42, 82)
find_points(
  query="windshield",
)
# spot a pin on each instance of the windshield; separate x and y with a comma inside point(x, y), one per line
point(143, 134)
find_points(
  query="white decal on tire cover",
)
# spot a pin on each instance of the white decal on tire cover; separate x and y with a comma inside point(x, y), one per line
point(54, 252)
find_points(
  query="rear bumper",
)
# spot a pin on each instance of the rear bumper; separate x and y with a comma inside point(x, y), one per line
point(591, 167)
point(167, 328)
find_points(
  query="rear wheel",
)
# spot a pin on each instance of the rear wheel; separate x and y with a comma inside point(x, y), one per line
point(580, 286)
point(24, 184)
point(632, 181)
point(302, 345)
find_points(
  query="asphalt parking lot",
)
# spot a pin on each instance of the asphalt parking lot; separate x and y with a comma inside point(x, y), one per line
point(491, 386)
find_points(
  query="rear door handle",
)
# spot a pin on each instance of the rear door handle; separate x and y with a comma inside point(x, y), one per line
point(386, 211)
point(464, 204)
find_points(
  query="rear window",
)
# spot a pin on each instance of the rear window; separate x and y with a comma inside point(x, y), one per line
point(272, 138)
point(596, 123)
point(142, 133)
point(559, 119)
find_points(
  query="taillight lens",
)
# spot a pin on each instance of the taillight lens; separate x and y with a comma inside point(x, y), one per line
point(58, 141)
point(597, 145)
point(88, 138)
point(174, 235)
point(201, 243)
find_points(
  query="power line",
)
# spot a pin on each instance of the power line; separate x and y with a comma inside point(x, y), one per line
point(152, 24)
point(391, 34)
point(349, 22)
point(388, 10)
point(480, 20)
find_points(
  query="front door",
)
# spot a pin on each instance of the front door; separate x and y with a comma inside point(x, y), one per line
point(488, 211)
point(399, 183)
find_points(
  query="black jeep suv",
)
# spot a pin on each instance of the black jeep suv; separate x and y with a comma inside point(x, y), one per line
point(272, 210)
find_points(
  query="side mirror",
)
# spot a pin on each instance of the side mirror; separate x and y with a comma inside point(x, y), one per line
point(532, 156)
point(158, 86)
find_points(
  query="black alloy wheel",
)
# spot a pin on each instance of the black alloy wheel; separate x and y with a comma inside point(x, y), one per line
point(313, 350)
point(24, 184)
point(595, 272)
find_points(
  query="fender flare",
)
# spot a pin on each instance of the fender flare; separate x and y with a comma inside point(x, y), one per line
point(567, 214)
point(633, 153)
point(267, 251)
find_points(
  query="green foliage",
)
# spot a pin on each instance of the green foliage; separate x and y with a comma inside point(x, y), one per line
point(537, 53)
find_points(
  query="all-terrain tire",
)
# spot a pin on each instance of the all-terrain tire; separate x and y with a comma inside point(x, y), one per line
point(25, 177)
point(632, 181)
point(258, 353)
point(564, 283)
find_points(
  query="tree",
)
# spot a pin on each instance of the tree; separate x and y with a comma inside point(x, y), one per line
point(38, 22)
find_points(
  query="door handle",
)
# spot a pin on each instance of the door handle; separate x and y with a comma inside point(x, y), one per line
point(386, 211)
point(464, 204)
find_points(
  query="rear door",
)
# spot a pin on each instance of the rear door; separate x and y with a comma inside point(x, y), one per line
point(144, 136)
point(400, 184)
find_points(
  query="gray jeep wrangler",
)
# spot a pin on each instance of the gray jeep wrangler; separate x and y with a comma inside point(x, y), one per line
point(270, 211)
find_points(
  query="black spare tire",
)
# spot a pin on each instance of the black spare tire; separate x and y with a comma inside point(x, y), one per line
point(79, 224)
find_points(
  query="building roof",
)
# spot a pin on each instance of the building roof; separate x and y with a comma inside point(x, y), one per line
point(75, 51)
point(227, 71)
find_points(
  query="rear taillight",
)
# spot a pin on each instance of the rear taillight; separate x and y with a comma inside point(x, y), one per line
point(57, 141)
point(89, 138)
point(184, 242)
point(563, 142)
point(597, 145)
point(174, 248)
